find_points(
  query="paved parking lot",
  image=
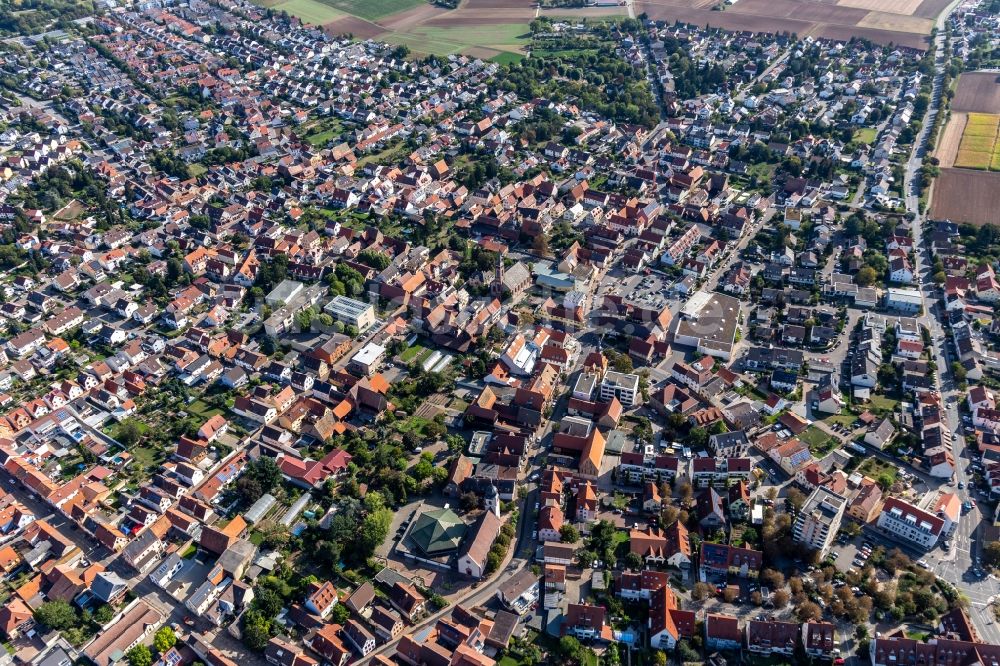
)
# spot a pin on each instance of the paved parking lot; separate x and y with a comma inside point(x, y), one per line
point(844, 553)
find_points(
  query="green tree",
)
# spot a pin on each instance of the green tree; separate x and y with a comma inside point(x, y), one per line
point(633, 561)
point(569, 534)
point(267, 602)
point(256, 630)
point(377, 260)
point(991, 553)
point(139, 656)
point(958, 370)
point(469, 501)
point(586, 558)
point(570, 650)
point(684, 651)
point(104, 614)
point(698, 437)
point(374, 529)
point(164, 639)
point(422, 470)
point(260, 476)
point(796, 498)
point(128, 432)
point(57, 615)
point(866, 276)
point(340, 614)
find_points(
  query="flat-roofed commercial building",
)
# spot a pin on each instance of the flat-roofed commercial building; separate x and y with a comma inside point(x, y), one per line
point(708, 323)
point(351, 312)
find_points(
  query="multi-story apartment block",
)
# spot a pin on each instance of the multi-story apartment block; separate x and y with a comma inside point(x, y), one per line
point(819, 520)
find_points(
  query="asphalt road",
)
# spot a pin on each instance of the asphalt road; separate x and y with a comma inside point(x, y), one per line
point(953, 566)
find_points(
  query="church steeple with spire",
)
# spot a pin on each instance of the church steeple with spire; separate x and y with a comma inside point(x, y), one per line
point(497, 287)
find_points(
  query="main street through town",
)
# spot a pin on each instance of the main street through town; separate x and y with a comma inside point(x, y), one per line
point(957, 564)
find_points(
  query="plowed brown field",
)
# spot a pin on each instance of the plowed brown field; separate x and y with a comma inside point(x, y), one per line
point(961, 195)
point(978, 92)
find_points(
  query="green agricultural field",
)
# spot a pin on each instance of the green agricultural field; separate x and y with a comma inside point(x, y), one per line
point(372, 10)
point(310, 11)
point(977, 144)
point(508, 37)
point(980, 145)
point(969, 159)
point(982, 124)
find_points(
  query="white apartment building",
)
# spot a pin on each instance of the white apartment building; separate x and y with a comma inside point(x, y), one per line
point(622, 386)
point(910, 524)
point(819, 520)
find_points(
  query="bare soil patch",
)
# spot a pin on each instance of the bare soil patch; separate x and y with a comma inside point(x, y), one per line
point(911, 40)
point(494, 4)
point(978, 92)
point(905, 7)
point(796, 9)
point(462, 17)
point(875, 20)
point(961, 195)
point(352, 25)
point(482, 52)
point(70, 211)
point(412, 17)
point(950, 139)
point(931, 8)
point(883, 21)
point(584, 12)
point(662, 10)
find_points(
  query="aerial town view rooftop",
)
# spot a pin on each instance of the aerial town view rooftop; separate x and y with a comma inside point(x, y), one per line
point(499, 332)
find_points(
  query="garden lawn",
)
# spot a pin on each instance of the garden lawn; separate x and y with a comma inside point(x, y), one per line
point(874, 468)
point(819, 442)
point(320, 139)
point(388, 155)
point(866, 135)
point(507, 58)
point(413, 352)
point(145, 457)
point(840, 419)
point(202, 409)
point(882, 404)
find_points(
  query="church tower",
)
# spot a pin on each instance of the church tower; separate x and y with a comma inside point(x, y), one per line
point(496, 289)
point(492, 500)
